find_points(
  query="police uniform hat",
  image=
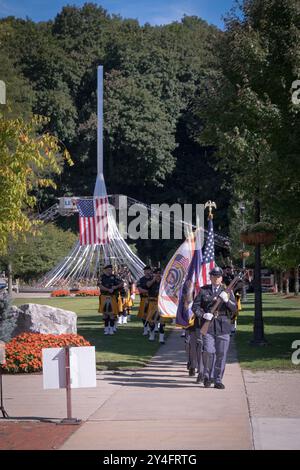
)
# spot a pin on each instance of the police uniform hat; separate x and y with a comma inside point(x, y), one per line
point(146, 268)
point(216, 271)
point(108, 266)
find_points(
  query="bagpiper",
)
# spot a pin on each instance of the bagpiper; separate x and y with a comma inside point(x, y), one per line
point(110, 303)
point(153, 317)
point(144, 298)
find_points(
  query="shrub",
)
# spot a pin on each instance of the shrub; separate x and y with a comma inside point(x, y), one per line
point(24, 352)
point(87, 292)
point(60, 293)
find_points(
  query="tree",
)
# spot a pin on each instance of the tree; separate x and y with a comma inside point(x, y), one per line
point(249, 115)
point(27, 162)
point(37, 254)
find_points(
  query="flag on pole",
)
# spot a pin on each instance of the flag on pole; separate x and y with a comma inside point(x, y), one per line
point(191, 285)
point(174, 276)
point(93, 222)
point(208, 255)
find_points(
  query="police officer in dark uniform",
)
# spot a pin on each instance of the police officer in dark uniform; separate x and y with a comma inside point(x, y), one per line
point(216, 341)
point(193, 347)
point(109, 304)
point(228, 276)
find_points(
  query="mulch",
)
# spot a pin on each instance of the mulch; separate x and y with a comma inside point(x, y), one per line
point(32, 435)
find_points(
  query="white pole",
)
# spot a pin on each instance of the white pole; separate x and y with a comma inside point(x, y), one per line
point(100, 188)
point(100, 120)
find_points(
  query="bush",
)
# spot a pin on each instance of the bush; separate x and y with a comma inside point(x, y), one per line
point(87, 293)
point(7, 320)
point(24, 352)
point(60, 293)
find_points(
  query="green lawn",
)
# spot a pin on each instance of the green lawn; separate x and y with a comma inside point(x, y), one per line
point(127, 349)
point(282, 327)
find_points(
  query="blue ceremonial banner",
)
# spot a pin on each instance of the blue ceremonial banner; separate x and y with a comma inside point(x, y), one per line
point(173, 278)
point(191, 285)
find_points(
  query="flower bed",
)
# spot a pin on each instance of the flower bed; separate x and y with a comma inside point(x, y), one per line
point(60, 293)
point(87, 293)
point(24, 352)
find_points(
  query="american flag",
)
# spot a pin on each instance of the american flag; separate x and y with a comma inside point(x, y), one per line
point(208, 255)
point(93, 223)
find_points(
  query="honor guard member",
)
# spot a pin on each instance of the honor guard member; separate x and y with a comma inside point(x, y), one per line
point(217, 339)
point(109, 300)
point(193, 347)
point(152, 312)
point(228, 276)
point(143, 291)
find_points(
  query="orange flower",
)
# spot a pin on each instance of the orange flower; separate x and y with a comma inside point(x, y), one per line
point(24, 352)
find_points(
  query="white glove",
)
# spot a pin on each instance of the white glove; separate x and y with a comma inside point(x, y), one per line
point(132, 296)
point(224, 296)
point(208, 316)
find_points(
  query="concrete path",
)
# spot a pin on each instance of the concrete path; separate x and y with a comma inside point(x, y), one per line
point(160, 407)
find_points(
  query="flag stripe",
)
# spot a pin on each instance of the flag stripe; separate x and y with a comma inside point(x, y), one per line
point(93, 221)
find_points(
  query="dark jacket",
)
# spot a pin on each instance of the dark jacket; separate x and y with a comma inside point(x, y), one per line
point(203, 304)
point(110, 282)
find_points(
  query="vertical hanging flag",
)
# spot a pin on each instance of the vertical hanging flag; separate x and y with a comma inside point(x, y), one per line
point(208, 255)
point(93, 223)
point(173, 277)
point(191, 285)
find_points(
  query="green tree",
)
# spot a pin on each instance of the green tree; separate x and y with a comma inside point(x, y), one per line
point(248, 111)
point(37, 254)
point(27, 162)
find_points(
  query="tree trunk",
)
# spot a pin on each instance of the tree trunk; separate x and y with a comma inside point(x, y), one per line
point(275, 282)
point(287, 284)
point(281, 282)
point(258, 329)
point(296, 280)
point(9, 278)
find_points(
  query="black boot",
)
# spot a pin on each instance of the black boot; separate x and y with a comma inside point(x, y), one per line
point(199, 379)
point(219, 385)
point(206, 382)
point(192, 372)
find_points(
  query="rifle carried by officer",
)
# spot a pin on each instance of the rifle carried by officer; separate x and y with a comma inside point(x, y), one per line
point(215, 307)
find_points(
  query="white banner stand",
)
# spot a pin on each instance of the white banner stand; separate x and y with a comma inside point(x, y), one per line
point(69, 367)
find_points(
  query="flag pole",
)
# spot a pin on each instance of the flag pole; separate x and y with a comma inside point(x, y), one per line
point(100, 188)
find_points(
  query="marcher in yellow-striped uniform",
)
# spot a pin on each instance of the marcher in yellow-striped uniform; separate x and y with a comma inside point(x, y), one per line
point(110, 303)
point(126, 295)
point(143, 291)
point(152, 312)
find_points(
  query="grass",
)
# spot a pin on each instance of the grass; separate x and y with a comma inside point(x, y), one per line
point(127, 349)
point(281, 326)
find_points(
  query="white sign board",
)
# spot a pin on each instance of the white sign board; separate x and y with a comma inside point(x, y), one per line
point(82, 367)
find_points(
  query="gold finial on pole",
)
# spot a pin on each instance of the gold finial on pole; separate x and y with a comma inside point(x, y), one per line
point(210, 205)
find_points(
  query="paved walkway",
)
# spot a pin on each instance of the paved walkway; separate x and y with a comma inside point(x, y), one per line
point(158, 407)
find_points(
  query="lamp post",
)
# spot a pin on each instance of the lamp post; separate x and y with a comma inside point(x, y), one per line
point(244, 294)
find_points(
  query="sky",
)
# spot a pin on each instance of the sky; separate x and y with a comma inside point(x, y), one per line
point(155, 12)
